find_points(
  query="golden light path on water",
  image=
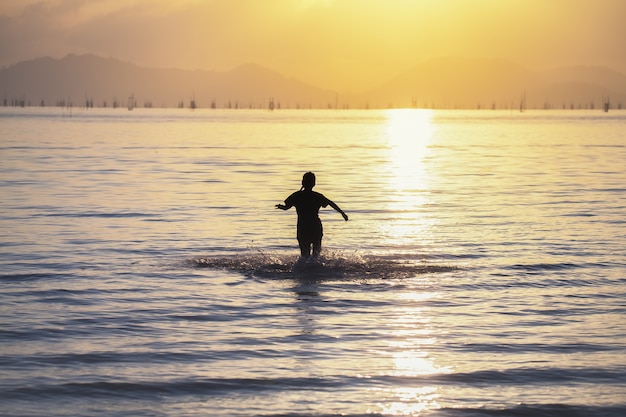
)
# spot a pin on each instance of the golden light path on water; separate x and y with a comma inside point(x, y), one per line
point(409, 134)
point(409, 337)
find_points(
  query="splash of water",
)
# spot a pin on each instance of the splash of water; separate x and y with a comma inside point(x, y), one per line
point(330, 265)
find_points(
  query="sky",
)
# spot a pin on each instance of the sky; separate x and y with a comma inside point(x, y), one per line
point(341, 45)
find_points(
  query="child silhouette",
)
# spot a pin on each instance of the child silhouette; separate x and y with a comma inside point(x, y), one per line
point(307, 203)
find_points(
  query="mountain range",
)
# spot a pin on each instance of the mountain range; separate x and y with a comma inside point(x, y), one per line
point(439, 83)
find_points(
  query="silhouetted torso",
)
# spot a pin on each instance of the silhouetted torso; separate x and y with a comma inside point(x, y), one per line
point(308, 204)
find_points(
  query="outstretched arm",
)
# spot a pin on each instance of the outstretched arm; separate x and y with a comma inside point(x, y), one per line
point(282, 207)
point(336, 207)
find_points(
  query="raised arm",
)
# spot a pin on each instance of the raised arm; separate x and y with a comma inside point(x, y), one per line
point(288, 203)
point(336, 207)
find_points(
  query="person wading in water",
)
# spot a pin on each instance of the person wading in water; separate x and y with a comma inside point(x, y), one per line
point(307, 203)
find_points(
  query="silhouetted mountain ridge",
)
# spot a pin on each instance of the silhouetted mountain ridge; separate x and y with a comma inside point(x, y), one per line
point(459, 82)
point(444, 82)
point(105, 80)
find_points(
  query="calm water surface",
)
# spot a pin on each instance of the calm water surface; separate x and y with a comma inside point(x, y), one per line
point(144, 270)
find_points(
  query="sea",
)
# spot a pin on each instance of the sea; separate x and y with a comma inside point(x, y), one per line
point(145, 271)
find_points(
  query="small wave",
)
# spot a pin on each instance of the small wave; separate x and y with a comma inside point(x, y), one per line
point(333, 265)
point(130, 388)
point(35, 276)
point(147, 389)
point(544, 267)
point(580, 214)
point(533, 410)
point(531, 375)
point(536, 347)
point(101, 215)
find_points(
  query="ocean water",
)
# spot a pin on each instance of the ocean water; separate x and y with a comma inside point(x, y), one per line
point(144, 270)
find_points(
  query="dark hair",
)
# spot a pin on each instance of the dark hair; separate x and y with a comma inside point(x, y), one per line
point(308, 180)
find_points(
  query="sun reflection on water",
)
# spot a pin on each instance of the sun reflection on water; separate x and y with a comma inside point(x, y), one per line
point(410, 340)
point(411, 401)
point(409, 132)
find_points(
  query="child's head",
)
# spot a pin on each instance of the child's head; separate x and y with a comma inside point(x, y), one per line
point(308, 180)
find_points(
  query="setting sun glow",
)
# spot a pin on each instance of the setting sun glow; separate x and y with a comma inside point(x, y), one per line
point(340, 45)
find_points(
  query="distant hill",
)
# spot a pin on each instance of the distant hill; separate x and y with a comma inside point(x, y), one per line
point(438, 83)
point(107, 81)
point(470, 83)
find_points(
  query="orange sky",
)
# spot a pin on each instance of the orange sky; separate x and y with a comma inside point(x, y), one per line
point(343, 45)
